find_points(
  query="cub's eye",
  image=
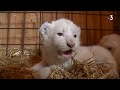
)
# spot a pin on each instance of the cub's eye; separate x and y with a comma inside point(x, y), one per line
point(109, 48)
point(60, 34)
point(75, 36)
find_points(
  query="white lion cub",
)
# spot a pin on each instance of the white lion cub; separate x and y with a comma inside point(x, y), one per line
point(61, 42)
point(112, 43)
point(61, 39)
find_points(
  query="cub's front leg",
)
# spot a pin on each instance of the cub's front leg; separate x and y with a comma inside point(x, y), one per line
point(44, 72)
point(37, 66)
point(39, 70)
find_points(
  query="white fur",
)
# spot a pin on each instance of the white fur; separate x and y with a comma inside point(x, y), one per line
point(96, 53)
point(53, 42)
point(112, 43)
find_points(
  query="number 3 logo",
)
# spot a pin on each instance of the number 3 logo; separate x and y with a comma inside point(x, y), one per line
point(111, 17)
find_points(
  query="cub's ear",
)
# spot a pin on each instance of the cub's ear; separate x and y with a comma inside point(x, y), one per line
point(44, 29)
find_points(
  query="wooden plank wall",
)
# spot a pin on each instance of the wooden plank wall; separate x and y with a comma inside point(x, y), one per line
point(94, 25)
point(116, 23)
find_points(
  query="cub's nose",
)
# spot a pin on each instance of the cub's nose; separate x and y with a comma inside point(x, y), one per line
point(70, 45)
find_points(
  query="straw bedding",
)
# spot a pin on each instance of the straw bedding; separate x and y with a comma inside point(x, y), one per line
point(13, 66)
point(84, 70)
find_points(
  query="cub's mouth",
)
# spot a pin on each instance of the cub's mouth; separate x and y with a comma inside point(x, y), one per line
point(65, 54)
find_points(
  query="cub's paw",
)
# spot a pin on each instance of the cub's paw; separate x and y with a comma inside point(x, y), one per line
point(42, 73)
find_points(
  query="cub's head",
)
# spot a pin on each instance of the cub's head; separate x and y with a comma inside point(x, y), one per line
point(112, 43)
point(61, 37)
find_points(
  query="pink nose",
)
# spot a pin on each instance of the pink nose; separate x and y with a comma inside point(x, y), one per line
point(70, 45)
